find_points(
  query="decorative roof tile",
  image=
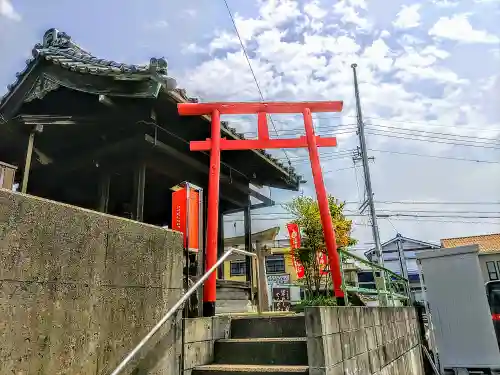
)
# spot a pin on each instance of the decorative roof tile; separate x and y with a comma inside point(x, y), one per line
point(58, 48)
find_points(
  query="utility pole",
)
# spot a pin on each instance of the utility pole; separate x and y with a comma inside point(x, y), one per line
point(402, 256)
point(362, 154)
point(402, 263)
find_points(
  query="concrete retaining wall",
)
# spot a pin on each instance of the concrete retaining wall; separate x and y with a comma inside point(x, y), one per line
point(79, 289)
point(363, 340)
point(200, 335)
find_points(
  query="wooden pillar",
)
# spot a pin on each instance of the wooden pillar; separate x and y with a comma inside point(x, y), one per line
point(220, 246)
point(104, 185)
point(248, 240)
point(27, 163)
point(262, 291)
point(248, 247)
point(139, 188)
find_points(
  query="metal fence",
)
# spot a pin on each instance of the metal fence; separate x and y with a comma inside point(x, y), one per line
point(391, 289)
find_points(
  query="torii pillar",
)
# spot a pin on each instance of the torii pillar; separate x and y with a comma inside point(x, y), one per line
point(216, 144)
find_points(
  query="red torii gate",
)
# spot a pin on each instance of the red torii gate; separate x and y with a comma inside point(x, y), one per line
point(216, 144)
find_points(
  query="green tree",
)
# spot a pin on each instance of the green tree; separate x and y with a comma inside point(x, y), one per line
point(306, 215)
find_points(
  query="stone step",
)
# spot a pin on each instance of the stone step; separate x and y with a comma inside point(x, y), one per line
point(233, 306)
point(289, 351)
point(249, 370)
point(276, 326)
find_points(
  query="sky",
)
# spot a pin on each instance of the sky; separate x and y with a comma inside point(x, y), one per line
point(428, 79)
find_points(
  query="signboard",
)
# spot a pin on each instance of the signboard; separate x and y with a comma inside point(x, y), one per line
point(278, 279)
point(281, 299)
point(186, 216)
point(293, 231)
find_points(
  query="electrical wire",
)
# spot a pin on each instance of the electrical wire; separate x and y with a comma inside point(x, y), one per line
point(465, 137)
point(336, 126)
point(251, 70)
point(420, 123)
point(429, 139)
point(343, 156)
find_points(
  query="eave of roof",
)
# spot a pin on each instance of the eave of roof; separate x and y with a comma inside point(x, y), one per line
point(59, 49)
point(265, 235)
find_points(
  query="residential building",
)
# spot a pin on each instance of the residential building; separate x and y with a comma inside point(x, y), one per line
point(280, 271)
point(392, 254)
point(489, 252)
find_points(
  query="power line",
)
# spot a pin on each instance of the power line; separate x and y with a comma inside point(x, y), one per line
point(381, 215)
point(251, 70)
point(438, 219)
point(424, 136)
point(430, 139)
point(342, 156)
point(421, 123)
point(438, 202)
point(466, 137)
point(437, 156)
point(386, 202)
point(442, 221)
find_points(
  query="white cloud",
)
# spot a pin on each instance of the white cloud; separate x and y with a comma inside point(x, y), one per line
point(408, 17)
point(192, 48)
point(191, 12)
point(459, 28)
point(349, 12)
point(7, 10)
point(409, 80)
point(445, 3)
point(224, 41)
point(385, 34)
point(161, 24)
point(314, 10)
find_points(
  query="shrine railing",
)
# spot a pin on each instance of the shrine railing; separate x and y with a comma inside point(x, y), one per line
point(397, 288)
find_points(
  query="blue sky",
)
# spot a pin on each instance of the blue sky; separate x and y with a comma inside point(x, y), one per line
point(428, 70)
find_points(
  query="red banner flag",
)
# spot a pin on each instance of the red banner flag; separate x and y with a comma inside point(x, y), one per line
point(322, 259)
point(293, 231)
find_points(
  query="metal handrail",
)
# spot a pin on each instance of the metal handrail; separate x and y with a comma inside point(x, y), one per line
point(174, 308)
point(373, 265)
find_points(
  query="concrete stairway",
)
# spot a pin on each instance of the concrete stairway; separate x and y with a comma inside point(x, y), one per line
point(271, 345)
point(233, 297)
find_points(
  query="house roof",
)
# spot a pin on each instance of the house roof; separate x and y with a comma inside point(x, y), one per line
point(263, 236)
point(406, 239)
point(488, 243)
point(59, 49)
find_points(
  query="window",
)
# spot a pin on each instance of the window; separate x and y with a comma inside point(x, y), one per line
point(493, 293)
point(275, 264)
point(238, 268)
point(492, 270)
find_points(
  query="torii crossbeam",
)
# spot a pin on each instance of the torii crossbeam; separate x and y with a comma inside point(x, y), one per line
point(216, 144)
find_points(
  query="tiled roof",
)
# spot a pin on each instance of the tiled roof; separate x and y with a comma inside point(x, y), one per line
point(58, 48)
point(488, 243)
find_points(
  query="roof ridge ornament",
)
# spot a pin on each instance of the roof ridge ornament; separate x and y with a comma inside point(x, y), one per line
point(158, 65)
point(55, 38)
point(158, 70)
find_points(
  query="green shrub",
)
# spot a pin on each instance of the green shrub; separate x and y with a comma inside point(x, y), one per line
point(315, 301)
